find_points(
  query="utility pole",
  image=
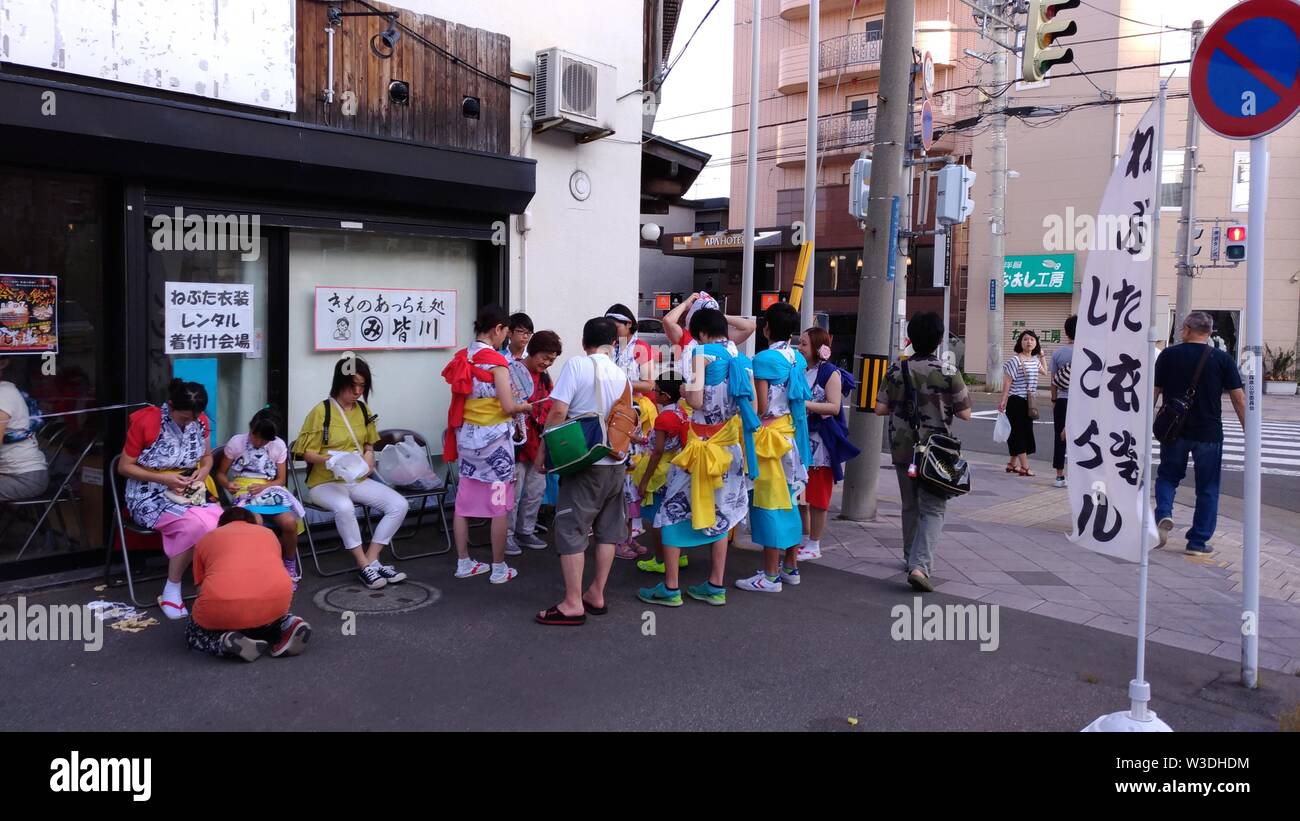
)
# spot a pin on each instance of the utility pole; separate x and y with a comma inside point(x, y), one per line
point(1186, 225)
point(806, 314)
point(875, 335)
point(997, 211)
point(751, 173)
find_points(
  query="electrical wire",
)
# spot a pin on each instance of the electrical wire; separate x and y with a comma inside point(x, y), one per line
point(673, 63)
point(1161, 26)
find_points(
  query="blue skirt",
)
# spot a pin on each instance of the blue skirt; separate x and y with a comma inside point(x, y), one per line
point(683, 536)
point(776, 529)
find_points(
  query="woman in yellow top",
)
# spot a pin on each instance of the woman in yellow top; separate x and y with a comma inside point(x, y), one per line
point(334, 433)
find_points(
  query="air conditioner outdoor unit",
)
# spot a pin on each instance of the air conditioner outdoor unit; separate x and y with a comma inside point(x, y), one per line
point(573, 93)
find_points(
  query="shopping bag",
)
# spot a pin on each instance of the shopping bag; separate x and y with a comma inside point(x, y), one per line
point(405, 464)
point(1002, 428)
point(347, 465)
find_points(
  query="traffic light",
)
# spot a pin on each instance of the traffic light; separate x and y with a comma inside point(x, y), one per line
point(1041, 32)
point(953, 203)
point(1234, 250)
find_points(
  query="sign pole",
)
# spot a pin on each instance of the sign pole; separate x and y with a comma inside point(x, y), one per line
point(1254, 408)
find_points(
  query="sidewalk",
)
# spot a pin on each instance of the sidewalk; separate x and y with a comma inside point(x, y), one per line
point(1006, 543)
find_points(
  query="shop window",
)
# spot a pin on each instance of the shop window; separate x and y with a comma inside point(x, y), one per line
point(1171, 180)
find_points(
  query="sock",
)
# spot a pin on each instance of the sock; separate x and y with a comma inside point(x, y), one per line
point(771, 578)
point(813, 544)
point(790, 570)
point(498, 568)
point(375, 564)
point(671, 589)
point(464, 564)
point(172, 593)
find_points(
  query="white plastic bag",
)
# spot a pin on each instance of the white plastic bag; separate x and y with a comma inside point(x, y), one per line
point(1002, 428)
point(347, 465)
point(405, 464)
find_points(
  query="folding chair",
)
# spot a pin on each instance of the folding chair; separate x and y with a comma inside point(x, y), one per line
point(299, 488)
point(392, 436)
point(125, 524)
point(65, 492)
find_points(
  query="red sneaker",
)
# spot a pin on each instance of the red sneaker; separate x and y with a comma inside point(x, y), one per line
point(295, 633)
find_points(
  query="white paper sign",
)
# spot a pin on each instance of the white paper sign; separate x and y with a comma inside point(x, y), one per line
point(358, 319)
point(1107, 423)
point(209, 317)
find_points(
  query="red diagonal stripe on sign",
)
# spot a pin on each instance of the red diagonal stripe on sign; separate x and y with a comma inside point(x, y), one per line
point(1255, 71)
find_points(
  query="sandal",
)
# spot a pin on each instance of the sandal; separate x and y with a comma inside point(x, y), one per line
point(625, 551)
point(170, 607)
point(1011, 468)
point(1026, 472)
point(553, 616)
point(593, 609)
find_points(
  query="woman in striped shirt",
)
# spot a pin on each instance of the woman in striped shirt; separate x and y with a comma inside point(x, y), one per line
point(1021, 383)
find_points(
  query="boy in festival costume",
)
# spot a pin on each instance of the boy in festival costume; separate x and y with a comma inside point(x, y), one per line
point(828, 435)
point(636, 358)
point(651, 474)
point(781, 446)
point(706, 492)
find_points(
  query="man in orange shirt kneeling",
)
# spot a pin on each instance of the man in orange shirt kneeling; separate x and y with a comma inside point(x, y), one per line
point(244, 595)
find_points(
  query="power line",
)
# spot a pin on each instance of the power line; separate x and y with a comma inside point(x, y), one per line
point(673, 64)
point(1161, 26)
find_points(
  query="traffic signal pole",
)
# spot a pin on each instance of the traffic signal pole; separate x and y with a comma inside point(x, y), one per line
point(997, 214)
point(874, 336)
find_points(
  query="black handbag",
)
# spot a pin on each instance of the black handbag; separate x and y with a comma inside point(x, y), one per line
point(938, 462)
point(1169, 421)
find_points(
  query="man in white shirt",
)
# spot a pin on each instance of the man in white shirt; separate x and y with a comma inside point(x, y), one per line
point(591, 501)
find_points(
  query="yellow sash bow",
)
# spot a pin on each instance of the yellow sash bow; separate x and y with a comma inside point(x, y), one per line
point(485, 412)
point(708, 462)
point(657, 479)
point(771, 442)
point(649, 412)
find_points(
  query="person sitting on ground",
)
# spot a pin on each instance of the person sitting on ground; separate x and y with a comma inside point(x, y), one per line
point(23, 471)
point(244, 595)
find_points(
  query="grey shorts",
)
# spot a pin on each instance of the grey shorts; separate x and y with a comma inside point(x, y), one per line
point(591, 500)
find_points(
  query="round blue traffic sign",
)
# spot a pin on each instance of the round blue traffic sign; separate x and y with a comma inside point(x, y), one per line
point(1245, 76)
point(927, 125)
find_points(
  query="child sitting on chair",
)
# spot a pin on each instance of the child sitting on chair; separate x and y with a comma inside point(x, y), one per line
point(253, 470)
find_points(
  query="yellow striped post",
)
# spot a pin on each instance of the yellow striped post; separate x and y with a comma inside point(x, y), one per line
point(870, 375)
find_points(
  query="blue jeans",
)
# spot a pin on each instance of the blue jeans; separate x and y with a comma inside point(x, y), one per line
point(1173, 467)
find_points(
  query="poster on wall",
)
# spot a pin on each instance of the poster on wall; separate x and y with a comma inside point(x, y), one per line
point(209, 317)
point(29, 321)
point(359, 319)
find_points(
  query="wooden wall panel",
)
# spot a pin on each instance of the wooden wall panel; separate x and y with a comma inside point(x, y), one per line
point(438, 83)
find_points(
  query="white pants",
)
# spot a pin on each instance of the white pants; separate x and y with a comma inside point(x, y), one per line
point(530, 487)
point(341, 500)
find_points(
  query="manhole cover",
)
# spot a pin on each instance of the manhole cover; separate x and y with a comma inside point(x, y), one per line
point(395, 598)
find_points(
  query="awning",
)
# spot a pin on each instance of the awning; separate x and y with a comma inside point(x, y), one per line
point(668, 170)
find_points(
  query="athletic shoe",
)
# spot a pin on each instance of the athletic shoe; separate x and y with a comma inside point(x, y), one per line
point(530, 541)
point(1204, 551)
point(1166, 524)
point(707, 593)
point(920, 582)
point(1060, 482)
point(291, 565)
point(371, 577)
point(294, 635)
point(512, 549)
point(503, 576)
point(808, 553)
point(625, 551)
point(682, 562)
point(237, 644)
point(659, 594)
point(759, 583)
point(391, 574)
point(466, 568)
point(651, 565)
point(789, 576)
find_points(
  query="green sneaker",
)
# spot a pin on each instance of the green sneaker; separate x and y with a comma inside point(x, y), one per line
point(650, 565)
point(682, 562)
point(660, 595)
point(707, 593)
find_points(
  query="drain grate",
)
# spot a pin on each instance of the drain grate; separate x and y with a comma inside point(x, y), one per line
point(395, 598)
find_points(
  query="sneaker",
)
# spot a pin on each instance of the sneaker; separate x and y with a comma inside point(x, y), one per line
point(237, 644)
point(789, 576)
point(682, 562)
point(659, 594)
point(291, 565)
point(707, 593)
point(530, 541)
point(371, 577)
point(1060, 482)
point(808, 553)
point(1204, 551)
point(512, 549)
point(466, 568)
point(651, 565)
point(625, 551)
point(295, 633)
point(1166, 524)
point(920, 582)
point(759, 583)
point(391, 574)
point(504, 575)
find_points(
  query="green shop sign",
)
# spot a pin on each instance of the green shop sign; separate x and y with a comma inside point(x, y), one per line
point(1038, 274)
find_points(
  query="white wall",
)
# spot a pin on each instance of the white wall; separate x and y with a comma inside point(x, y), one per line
point(241, 51)
point(582, 256)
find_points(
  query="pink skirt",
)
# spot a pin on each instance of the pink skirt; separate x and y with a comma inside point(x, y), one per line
point(180, 533)
point(484, 500)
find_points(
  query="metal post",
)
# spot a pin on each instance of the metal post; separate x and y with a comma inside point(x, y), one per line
point(751, 173)
point(806, 314)
point(1186, 226)
point(1254, 407)
point(875, 335)
point(997, 215)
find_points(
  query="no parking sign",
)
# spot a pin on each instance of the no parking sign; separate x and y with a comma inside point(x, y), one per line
point(1245, 77)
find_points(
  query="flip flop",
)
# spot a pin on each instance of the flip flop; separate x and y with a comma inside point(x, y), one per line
point(593, 610)
point(553, 616)
point(168, 607)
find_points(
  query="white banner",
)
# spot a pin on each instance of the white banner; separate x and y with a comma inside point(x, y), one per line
point(358, 319)
point(209, 317)
point(1107, 425)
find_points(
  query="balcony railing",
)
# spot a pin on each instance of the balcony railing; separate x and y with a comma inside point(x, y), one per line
point(849, 50)
point(840, 134)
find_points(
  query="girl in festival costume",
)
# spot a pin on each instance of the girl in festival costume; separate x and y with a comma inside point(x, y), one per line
point(651, 474)
point(706, 492)
point(782, 450)
point(253, 469)
point(828, 435)
point(635, 357)
point(479, 430)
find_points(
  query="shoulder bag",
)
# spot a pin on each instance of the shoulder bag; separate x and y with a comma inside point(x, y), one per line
point(587, 438)
point(1172, 416)
point(938, 462)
